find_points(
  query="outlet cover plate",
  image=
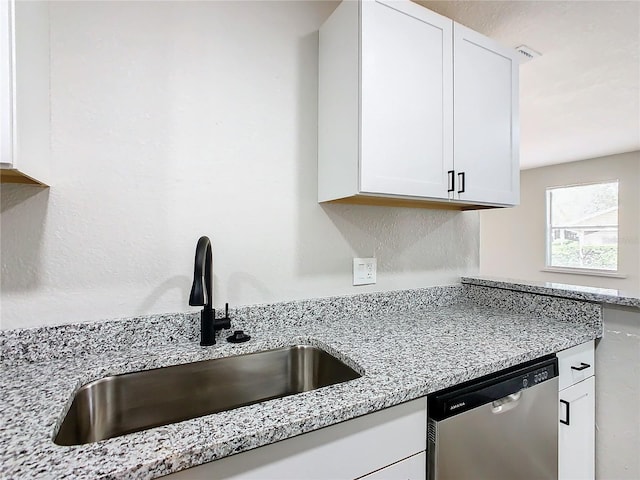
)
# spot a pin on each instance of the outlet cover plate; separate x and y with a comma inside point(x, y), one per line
point(364, 271)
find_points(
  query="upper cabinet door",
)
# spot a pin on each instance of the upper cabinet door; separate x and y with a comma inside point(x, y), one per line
point(486, 140)
point(406, 120)
point(6, 84)
point(24, 92)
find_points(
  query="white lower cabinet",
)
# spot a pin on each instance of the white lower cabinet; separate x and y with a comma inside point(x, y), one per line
point(576, 427)
point(577, 431)
point(412, 468)
point(387, 444)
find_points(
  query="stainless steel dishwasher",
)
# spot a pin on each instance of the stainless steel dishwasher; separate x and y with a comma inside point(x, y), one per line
point(502, 426)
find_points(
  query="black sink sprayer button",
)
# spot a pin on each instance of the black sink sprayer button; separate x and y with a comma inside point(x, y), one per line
point(238, 337)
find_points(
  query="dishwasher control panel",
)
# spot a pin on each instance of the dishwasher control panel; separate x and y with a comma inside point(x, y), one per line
point(492, 387)
point(538, 376)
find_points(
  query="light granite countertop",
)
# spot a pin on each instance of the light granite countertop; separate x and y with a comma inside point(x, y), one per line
point(407, 344)
point(607, 296)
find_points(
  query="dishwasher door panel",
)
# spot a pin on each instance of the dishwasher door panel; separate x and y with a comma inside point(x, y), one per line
point(515, 441)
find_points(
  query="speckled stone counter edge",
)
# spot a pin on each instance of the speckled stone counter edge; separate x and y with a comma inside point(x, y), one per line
point(74, 339)
point(565, 291)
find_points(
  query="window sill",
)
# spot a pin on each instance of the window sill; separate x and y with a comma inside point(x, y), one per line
point(584, 271)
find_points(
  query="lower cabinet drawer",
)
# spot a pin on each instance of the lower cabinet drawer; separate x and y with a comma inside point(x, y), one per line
point(575, 364)
point(412, 468)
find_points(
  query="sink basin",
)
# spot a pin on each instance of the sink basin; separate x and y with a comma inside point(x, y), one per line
point(120, 404)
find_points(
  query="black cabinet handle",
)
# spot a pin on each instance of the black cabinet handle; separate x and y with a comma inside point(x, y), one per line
point(461, 182)
point(582, 366)
point(566, 422)
point(451, 179)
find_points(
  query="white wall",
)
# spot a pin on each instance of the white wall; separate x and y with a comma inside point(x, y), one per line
point(172, 120)
point(512, 241)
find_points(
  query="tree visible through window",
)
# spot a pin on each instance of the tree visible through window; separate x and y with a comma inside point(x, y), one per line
point(582, 226)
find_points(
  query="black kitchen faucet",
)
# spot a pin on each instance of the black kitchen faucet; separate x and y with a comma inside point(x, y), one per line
point(201, 294)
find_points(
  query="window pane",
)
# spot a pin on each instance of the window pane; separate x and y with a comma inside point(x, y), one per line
point(599, 249)
point(570, 205)
point(583, 226)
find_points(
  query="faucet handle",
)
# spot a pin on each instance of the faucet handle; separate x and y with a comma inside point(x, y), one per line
point(224, 322)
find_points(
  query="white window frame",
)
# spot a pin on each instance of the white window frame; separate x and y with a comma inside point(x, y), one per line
point(549, 233)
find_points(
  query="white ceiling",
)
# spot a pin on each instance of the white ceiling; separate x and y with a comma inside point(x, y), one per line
point(581, 99)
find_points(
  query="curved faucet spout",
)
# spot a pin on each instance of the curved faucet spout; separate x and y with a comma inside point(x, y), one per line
point(201, 292)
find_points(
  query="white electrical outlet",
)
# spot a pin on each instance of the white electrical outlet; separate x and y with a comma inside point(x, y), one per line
point(364, 271)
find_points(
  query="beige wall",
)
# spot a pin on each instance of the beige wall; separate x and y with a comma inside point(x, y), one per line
point(512, 241)
point(512, 244)
point(618, 396)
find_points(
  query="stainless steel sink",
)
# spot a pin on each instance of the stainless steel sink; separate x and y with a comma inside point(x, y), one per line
point(131, 402)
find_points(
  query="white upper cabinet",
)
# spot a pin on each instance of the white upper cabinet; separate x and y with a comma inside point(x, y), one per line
point(6, 83)
point(406, 147)
point(412, 108)
point(24, 92)
point(485, 118)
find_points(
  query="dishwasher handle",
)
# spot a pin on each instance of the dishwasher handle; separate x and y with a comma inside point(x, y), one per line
point(507, 403)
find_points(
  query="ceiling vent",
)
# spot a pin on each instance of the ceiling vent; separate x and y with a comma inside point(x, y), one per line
point(526, 53)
